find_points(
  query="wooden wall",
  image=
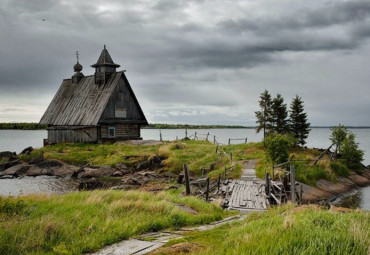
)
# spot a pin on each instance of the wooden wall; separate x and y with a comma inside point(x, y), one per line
point(123, 132)
point(82, 135)
point(121, 99)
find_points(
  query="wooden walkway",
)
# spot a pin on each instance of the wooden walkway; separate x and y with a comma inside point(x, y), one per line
point(248, 194)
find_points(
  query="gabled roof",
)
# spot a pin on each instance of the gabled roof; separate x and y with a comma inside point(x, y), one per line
point(82, 104)
point(105, 59)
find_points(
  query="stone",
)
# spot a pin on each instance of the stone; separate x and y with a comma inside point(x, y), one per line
point(49, 163)
point(359, 180)
point(117, 173)
point(96, 172)
point(133, 181)
point(6, 165)
point(36, 171)
point(91, 184)
point(16, 170)
point(8, 155)
point(121, 166)
point(143, 165)
point(27, 150)
point(52, 167)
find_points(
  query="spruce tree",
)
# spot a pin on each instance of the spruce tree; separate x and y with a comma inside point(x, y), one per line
point(298, 124)
point(264, 115)
point(279, 115)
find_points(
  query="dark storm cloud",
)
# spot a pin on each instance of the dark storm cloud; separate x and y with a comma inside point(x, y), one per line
point(198, 58)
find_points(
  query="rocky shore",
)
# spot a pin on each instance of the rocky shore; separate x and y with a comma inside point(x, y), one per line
point(131, 177)
point(329, 190)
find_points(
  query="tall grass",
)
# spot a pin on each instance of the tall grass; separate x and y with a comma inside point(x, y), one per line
point(287, 230)
point(86, 221)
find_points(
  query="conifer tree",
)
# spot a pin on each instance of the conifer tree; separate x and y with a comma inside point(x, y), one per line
point(279, 115)
point(298, 124)
point(264, 115)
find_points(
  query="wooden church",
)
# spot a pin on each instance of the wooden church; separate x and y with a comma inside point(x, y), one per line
point(96, 108)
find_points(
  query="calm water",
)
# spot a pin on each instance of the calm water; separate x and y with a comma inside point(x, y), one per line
point(17, 140)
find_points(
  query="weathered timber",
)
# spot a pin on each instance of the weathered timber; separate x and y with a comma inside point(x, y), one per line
point(187, 180)
point(85, 110)
point(322, 154)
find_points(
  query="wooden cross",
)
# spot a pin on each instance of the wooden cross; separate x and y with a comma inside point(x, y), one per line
point(77, 55)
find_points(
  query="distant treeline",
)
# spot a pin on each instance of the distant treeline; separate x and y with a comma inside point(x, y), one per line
point(23, 126)
point(183, 126)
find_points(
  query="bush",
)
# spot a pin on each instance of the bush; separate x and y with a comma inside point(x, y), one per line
point(351, 155)
point(339, 168)
point(278, 147)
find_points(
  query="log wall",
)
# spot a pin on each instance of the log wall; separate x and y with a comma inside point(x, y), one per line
point(81, 135)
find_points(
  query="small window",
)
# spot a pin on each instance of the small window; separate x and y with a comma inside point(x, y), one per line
point(111, 132)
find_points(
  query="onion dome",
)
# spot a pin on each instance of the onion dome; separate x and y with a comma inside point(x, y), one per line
point(77, 67)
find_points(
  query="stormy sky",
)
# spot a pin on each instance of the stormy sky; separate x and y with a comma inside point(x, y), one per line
point(195, 62)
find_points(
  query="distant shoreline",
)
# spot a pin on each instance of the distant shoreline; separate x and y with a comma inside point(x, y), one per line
point(37, 126)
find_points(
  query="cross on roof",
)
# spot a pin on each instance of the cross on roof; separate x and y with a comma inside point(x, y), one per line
point(77, 54)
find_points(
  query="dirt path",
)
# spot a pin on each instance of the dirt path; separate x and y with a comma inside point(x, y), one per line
point(151, 241)
point(249, 172)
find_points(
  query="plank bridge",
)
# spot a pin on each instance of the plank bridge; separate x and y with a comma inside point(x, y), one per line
point(245, 196)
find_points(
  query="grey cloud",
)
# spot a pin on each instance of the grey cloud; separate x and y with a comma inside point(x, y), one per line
point(199, 60)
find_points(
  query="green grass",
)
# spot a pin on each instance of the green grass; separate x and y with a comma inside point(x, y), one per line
point(285, 230)
point(197, 154)
point(86, 221)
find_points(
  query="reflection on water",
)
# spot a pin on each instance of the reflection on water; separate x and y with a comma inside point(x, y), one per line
point(49, 184)
point(357, 199)
point(39, 184)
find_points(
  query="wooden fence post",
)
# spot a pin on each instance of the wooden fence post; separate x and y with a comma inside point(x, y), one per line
point(246, 140)
point(273, 171)
point(207, 137)
point(229, 141)
point(207, 191)
point(187, 180)
point(214, 139)
point(186, 132)
point(195, 135)
point(231, 157)
point(268, 186)
point(160, 135)
point(219, 182)
point(225, 172)
point(292, 184)
point(216, 149)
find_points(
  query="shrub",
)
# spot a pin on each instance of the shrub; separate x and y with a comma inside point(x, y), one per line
point(339, 168)
point(278, 147)
point(351, 155)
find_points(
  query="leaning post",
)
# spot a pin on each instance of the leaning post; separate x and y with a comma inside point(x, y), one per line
point(187, 180)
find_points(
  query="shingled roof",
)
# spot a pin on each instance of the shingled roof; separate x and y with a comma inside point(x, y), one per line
point(82, 104)
point(105, 59)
